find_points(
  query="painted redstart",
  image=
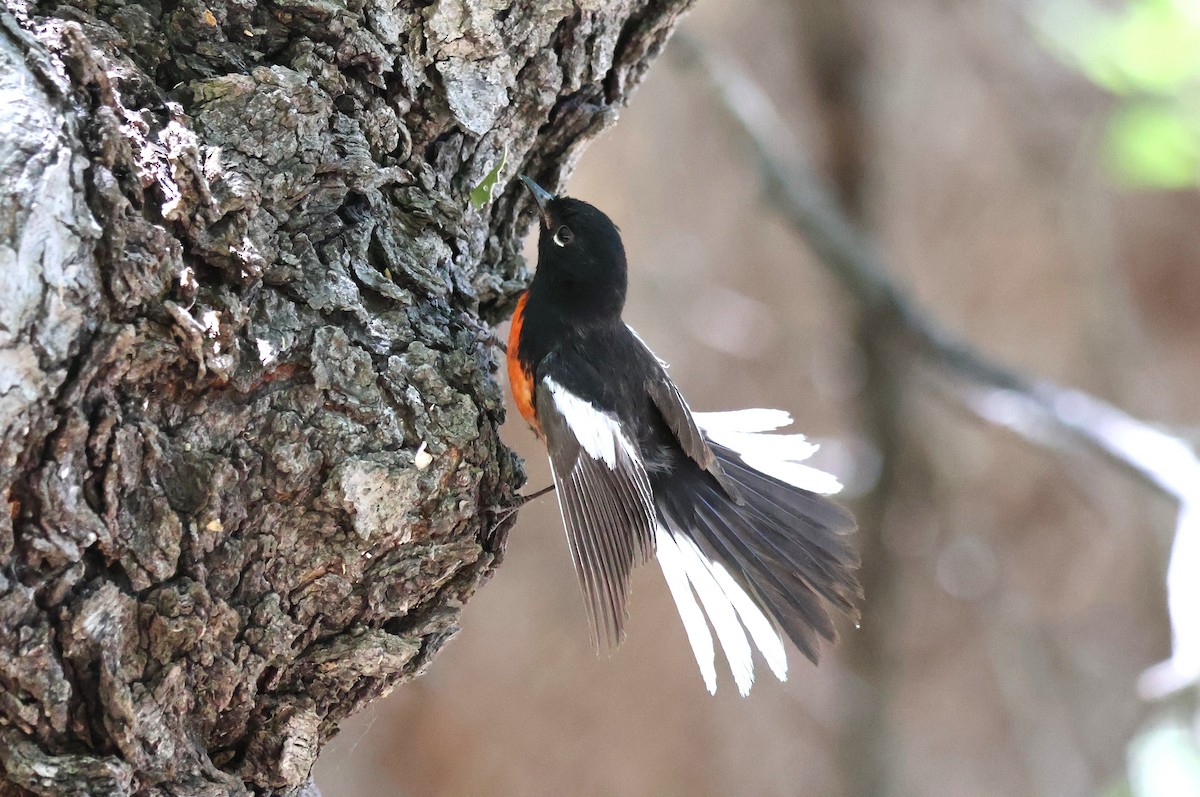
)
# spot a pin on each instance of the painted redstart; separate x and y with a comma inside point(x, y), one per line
point(731, 513)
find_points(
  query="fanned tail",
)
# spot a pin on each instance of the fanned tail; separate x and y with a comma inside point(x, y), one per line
point(761, 562)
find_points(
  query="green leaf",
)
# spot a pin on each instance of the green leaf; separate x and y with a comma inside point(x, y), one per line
point(482, 193)
point(1154, 145)
point(1147, 53)
point(1149, 47)
point(1153, 48)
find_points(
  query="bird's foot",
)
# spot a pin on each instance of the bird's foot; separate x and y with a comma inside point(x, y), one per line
point(493, 539)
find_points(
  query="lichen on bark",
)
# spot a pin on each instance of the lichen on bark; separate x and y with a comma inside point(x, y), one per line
point(249, 448)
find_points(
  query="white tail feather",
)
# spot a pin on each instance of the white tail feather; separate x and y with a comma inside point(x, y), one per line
point(752, 420)
point(720, 613)
point(762, 631)
point(787, 447)
point(670, 559)
point(805, 477)
point(728, 609)
point(777, 455)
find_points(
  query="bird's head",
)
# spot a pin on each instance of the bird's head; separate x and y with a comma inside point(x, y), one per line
point(579, 246)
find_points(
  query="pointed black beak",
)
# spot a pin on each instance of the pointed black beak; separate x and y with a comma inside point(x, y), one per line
point(541, 196)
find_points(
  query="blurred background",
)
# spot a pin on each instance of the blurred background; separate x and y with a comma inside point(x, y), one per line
point(1027, 169)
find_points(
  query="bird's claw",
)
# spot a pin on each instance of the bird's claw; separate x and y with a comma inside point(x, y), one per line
point(493, 539)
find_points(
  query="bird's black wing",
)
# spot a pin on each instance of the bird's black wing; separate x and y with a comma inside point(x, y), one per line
point(673, 408)
point(679, 419)
point(675, 412)
point(604, 494)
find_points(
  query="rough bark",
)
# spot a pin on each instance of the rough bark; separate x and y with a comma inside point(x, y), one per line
point(248, 421)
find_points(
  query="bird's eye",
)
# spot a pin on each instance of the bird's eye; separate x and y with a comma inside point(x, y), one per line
point(563, 236)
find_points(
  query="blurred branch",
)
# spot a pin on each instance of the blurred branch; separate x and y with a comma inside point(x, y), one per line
point(834, 56)
point(1038, 410)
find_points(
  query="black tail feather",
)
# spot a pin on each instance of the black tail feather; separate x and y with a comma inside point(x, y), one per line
point(794, 608)
point(785, 546)
point(825, 522)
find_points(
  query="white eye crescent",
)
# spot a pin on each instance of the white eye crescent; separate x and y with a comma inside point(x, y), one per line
point(563, 236)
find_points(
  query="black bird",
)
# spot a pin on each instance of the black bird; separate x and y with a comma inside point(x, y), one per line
point(729, 511)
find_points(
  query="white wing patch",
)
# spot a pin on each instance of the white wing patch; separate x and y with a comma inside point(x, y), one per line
point(598, 432)
point(601, 436)
point(777, 455)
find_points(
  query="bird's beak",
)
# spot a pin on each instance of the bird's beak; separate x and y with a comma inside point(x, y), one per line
point(541, 196)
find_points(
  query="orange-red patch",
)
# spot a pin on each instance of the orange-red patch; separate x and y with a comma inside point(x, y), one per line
point(520, 379)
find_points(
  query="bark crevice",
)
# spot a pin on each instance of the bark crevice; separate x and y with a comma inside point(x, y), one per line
point(249, 446)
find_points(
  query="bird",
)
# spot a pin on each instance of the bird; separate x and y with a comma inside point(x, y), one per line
point(743, 532)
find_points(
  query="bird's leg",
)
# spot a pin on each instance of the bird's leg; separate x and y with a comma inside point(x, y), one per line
point(525, 499)
point(521, 501)
point(488, 337)
point(501, 516)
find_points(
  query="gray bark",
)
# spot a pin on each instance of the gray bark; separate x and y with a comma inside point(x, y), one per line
point(249, 456)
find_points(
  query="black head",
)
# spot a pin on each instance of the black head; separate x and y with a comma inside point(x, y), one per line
point(580, 255)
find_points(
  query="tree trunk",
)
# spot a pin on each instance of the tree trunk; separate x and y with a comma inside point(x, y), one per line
point(249, 448)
